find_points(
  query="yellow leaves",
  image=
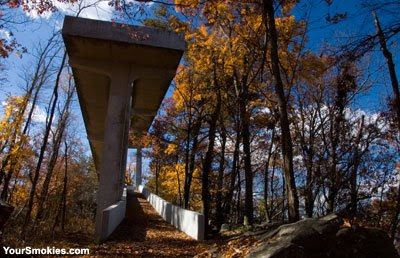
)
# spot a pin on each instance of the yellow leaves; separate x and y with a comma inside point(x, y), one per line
point(13, 142)
point(11, 122)
point(184, 92)
point(20, 194)
point(286, 24)
point(171, 181)
point(217, 11)
point(171, 149)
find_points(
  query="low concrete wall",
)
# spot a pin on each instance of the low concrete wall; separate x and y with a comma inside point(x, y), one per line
point(113, 216)
point(144, 191)
point(130, 188)
point(190, 222)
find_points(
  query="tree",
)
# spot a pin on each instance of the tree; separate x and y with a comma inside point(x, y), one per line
point(43, 147)
point(13, 141)
point(58, 135)
point(287, 147)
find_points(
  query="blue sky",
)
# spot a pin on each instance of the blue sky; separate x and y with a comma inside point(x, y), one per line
point(38, 30)
point(358, 23)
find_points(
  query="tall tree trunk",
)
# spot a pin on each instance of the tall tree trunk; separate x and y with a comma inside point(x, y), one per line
point(179, 182)
point(34, 86)
point(396, 93)
point(308, 195)
point(57, 139)
point(391, 67)
point(356, 164)
point(234, 172)
point(248, 173)
point(157, 174)
point(205, 194)
point(186, 186)
point(61, 211)
point(266, 176)
point(239, 218)
point(272, 188)
point(64, 192)
point(191, 165)
point(42, 149)
point(283, 198)
point(287, 149)
point(219, 209)
point(308, 160)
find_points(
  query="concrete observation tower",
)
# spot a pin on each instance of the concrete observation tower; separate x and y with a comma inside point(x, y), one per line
point(122, 73)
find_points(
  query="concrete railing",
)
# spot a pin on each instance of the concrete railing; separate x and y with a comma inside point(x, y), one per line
point(113, 216)
point(190, 222)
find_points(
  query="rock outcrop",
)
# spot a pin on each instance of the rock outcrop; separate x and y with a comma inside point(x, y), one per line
point(323, 237)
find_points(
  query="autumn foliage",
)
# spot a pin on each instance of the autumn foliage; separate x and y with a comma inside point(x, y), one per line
point(259, 126)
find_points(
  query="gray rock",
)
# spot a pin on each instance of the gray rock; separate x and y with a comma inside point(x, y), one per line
point(363, 242)
point(323, 237)
point(305, 238)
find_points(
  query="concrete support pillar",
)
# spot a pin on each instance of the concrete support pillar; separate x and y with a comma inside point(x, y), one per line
point(116, 132)
point(138, 175)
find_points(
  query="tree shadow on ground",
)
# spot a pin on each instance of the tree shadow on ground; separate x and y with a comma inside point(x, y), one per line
point(134, 225)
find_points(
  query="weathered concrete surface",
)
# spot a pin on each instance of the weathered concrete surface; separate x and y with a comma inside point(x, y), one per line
point(122, 74)
point(190, 222)
point(93, 49)
point(112, 217)
point(113, 165)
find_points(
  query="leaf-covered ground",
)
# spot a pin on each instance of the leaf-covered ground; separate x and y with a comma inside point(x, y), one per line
point(143, 233)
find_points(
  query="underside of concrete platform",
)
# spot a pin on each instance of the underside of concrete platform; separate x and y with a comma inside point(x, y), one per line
point(93, 46)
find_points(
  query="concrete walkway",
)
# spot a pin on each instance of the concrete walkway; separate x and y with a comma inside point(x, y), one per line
point(143, 233)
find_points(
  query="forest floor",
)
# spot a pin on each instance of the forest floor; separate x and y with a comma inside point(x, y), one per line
point(142, 233)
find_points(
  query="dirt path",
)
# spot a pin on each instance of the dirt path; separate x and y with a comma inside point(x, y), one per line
point(143, 233)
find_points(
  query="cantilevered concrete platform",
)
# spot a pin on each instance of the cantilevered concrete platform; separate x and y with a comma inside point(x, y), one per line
point(122, 73)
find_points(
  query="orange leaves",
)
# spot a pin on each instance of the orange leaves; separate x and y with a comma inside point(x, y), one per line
point(203, 31)
point(171, 149)
point(188, 7)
